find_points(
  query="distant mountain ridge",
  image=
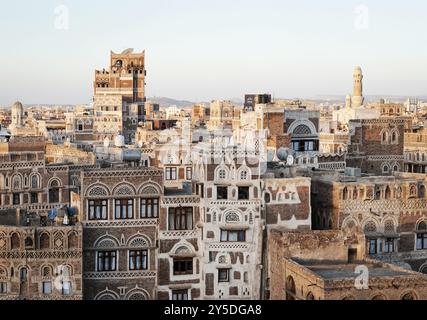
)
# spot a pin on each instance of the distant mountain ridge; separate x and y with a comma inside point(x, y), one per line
point(167, 102)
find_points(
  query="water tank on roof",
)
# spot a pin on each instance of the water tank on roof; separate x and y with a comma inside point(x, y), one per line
point(119, 141)
point(282, 153)
point(131, 155)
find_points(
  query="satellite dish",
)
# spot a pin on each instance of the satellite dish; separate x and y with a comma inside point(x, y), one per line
point(290, 160)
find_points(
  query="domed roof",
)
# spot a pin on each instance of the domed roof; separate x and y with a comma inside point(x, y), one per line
point(17, 104)
point(358, 69)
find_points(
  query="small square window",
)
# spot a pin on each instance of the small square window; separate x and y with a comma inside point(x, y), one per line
point(223, 275)
point(178, 295)
point(222, 193)
point(243, 193)
point(182, 266)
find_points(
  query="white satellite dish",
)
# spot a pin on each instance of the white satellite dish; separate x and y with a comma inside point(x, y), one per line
point(290, 160)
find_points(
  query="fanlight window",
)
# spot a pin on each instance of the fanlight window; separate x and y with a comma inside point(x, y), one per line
point(302, 129)
point(106, 243)
point(107, 296)
point(370, 227)
point(183, 251)
point(124, 191)
point(98, 191)
point(422, 226)
point(222, 260)
point(137, 296)
point(232, 217)
point(54, 184)
point(46, 272)
point(138, 243)
point(389, 226)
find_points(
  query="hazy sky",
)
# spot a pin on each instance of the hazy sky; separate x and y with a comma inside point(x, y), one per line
point(202, 50)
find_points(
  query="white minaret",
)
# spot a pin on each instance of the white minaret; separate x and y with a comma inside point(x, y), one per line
point(357, 100)
point(17, 114)
point(348, 102)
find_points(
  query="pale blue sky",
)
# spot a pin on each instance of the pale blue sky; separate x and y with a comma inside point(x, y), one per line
point(202, 50)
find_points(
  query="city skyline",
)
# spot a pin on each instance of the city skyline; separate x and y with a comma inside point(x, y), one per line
point(280, 48)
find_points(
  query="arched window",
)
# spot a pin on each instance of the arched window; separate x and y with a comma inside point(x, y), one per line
point(15, 242)
point(354, 194)
point(23, 274)
point(421, 232)
point(106, 296)
point(301, 130)
point(222, 174)
point(385, 137)
point(379, 297)
point(54, 192)
point(422, 226)
point(290, 289)
point(28, 242)
point(389, 226)
point(422, 192)
point(398, 192)
point(386, 168)
point(243, 175)
point(310, 296)
point(16, 182)
point(35, 182)
point(345, 194)
point(413, 191)
point(408, 296)
point(44, 241)
point(72, 241)
point(66, 271)
point(46, 272)
point(137, 296)
point(387, 192)
point(394, 139)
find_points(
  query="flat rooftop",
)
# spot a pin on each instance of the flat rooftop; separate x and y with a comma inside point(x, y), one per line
point(339, 271)
point(369, 179)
